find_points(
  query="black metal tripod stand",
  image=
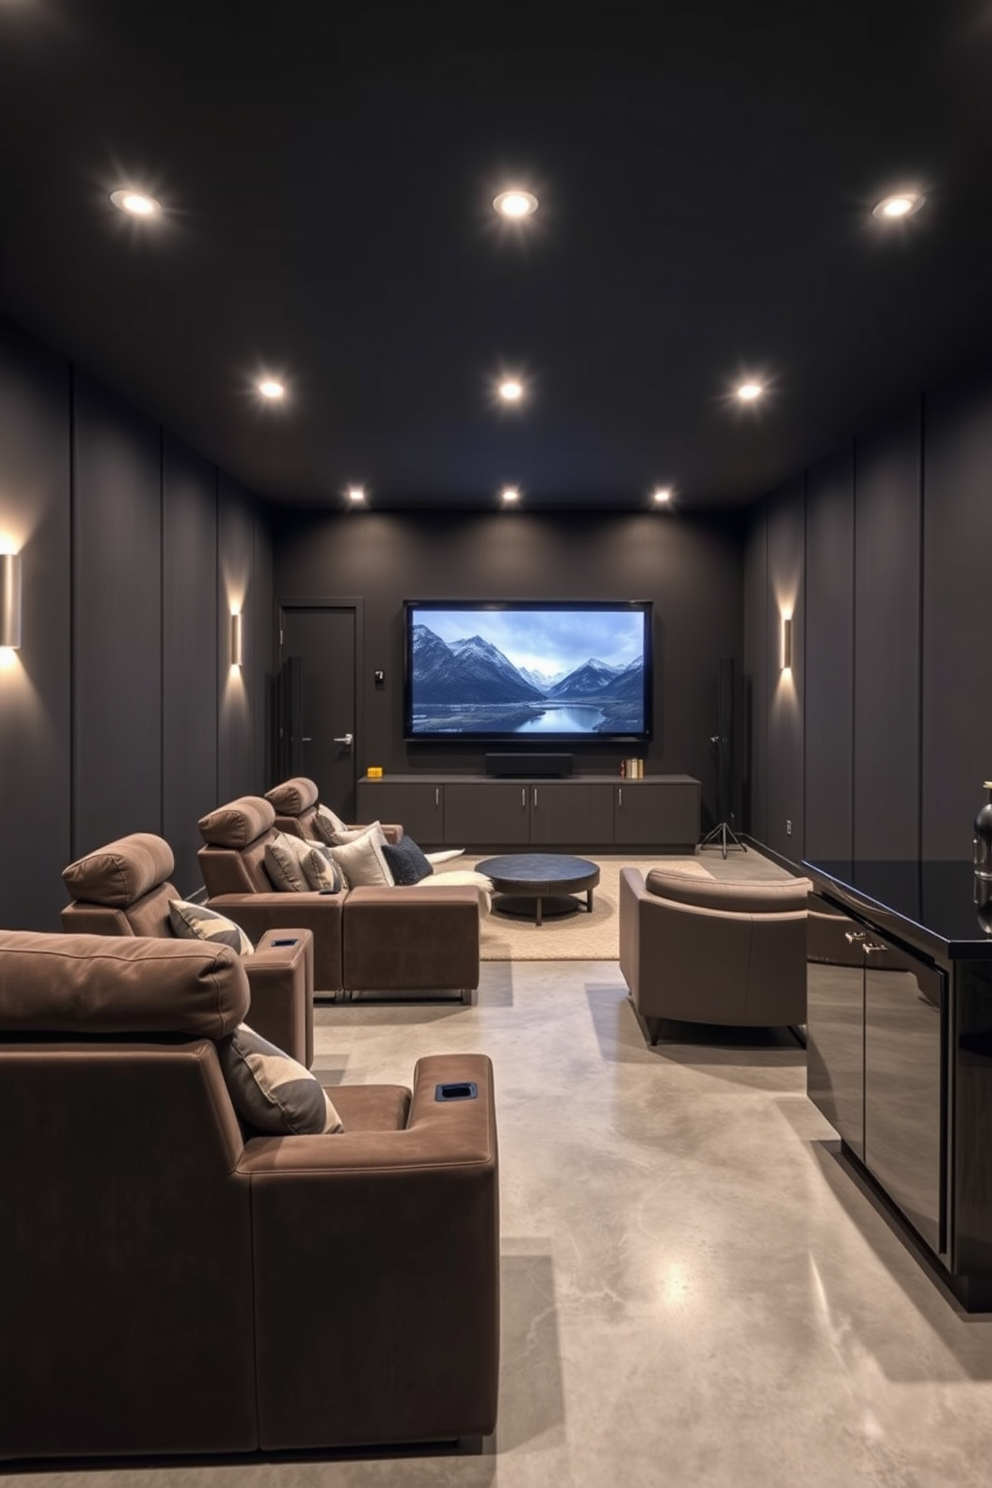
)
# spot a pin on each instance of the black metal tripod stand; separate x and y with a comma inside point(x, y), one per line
point(723, 834)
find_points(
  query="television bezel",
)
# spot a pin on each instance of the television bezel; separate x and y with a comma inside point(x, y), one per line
point(644, 607)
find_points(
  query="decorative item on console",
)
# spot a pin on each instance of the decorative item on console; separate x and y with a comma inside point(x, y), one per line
point(982, 845)
point(632, 769)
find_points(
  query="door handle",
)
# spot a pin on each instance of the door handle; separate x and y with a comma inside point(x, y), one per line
point(348, 739)
point(305, 738)
point(854, 937)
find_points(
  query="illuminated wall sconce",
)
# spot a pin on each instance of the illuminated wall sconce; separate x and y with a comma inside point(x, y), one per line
point(10, 600)
point(785, 654)
point(237, 640)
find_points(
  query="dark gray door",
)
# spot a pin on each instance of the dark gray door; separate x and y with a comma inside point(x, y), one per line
point(319, 716)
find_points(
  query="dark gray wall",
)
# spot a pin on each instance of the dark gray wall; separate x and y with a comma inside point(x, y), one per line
point(892, 682)
point(690, 567)
point(118, 713)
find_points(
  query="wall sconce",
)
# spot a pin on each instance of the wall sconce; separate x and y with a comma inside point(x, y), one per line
point(785, 652)
point(237, 640)
point(10, 600)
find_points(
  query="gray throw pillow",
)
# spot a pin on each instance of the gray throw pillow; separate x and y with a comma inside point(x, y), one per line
point(284, 862)
point(197, 922)
point(320, 870)
point(327, 825)
point(406, 861)
point(272, 1092)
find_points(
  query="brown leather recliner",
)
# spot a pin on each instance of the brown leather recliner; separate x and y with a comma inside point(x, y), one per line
point(174, 1284)
point(123, 888)
point(709, 951)
point(295, 804)
point(371, 939)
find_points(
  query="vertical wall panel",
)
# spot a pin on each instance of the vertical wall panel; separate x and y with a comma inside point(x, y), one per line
point(189, 659)
point(754, 692)
point(957, 656)
point(117, 772)
point(887, 640)
point(827, 666)
point(238, 690)
point(263, 712)
point(35, 725)
point(786, 596)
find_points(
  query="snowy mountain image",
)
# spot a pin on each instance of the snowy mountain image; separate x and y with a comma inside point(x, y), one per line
point(468, 684)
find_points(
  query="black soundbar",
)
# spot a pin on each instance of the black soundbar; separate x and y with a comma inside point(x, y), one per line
point(528, 764)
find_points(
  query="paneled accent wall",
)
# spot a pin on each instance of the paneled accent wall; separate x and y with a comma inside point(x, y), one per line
point(119, 712)
point(890, 736)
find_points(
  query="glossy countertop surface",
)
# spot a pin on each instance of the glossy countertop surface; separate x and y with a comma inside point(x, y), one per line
point(938, 904)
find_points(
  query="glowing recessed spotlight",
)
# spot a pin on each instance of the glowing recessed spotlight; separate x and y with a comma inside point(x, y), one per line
point(515, 204)
point(663, 495)
point(511, 391)
point(510, 493)
point(135, 203)
point(271, 389)
point(903, 204)
point(748, 391)
point(356, 493)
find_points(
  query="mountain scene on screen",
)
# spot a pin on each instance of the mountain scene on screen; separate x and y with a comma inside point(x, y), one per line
point(470, 686)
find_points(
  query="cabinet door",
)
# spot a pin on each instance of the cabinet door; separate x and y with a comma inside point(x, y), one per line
point(905, 1001)
point(662, 814)
point(835, 1024)
point(417, 805)
point(486, 814)
point(570, 814)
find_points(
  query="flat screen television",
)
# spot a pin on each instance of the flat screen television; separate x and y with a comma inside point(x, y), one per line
point(528, 670)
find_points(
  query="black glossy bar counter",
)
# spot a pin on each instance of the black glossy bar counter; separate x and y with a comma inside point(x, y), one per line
point(899, 1053)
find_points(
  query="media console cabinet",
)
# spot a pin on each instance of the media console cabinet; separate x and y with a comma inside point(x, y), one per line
point(899, 1049)
point(657, 814)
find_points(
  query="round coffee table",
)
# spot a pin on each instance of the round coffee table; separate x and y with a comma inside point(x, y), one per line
point(540, 884)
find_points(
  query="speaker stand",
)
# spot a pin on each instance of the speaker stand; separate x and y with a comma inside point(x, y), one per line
point(719, 838)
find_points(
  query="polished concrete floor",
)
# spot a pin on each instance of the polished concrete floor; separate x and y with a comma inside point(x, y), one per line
point(695, 1290)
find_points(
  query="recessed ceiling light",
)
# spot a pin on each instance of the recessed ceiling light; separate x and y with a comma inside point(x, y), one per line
point(748, 391)
point(902, 204)
point(135, 203)
point(515, 204)
point(663, 494)
point(510, 493)
point(356, 493)
point(271, 389)
point(511, 391)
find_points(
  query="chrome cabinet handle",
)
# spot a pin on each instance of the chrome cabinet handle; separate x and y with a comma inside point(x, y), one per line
point(523, 797)
point(619, 795)
point(437, 795)
point(535, 796)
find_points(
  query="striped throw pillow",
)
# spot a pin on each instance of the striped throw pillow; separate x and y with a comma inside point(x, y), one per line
point(272, 1092)
point(197, 922)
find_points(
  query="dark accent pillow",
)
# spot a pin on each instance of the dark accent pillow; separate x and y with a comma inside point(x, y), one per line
point(272, 1092)
point(407, 861)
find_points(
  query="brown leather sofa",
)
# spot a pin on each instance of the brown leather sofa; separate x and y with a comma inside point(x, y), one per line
point(295, 804)
point(123, 888)
point(710, 951)
point(174, 1284)
point(366, 940)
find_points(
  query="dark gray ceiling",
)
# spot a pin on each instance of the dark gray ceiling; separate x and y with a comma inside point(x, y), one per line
point(706, 172)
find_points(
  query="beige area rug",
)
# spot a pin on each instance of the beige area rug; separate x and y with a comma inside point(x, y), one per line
point(574, 937)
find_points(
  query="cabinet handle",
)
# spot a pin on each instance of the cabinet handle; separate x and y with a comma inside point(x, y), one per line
point(854, 937)
point(534, 802)
point(619, 795)
point(523, 798)
point(437, 795)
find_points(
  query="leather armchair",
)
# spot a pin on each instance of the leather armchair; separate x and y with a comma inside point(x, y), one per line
point(123, 888)
point(295, 804)
point(710, 951)
point(367, 939)
point(176, 1284)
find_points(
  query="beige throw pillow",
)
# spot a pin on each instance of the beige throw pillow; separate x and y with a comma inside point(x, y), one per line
point(362, 861)
point(284, 859)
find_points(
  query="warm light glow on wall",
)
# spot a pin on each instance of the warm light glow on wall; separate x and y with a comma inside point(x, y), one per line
point(785, 644)
point(237, 640)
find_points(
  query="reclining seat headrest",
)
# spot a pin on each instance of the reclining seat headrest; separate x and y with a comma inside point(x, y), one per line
point(98, 984)
point(238, 823)
point(122, 872)
point(293, 796)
